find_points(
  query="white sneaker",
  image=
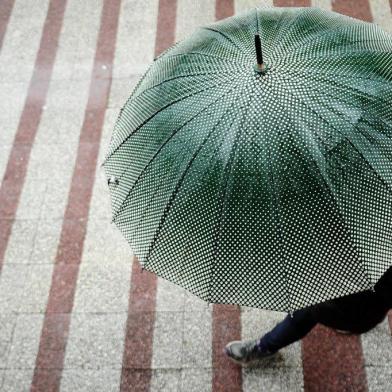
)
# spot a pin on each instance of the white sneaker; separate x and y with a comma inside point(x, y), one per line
point(246, 352)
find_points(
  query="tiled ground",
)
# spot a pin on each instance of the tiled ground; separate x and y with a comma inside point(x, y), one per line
point(75, 313)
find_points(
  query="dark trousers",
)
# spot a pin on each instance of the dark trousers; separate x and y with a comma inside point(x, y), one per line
point(288, 331)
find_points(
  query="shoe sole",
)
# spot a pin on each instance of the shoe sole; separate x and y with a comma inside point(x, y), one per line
point(343, 332)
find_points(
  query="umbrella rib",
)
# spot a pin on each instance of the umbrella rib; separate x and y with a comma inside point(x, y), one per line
point(284, 29)
point(381, 136)
point(133, 97)
point(347, 102)
point(164, 53)
point(331, 55)
point(162, 56)
point(170, 137)
point(276, 213)
point(344, 86)
point(159, 150)
point(129, 99)
point(347, 50)
point(180, 181)
point(329, 31)
point(345, 136)
point(155, 113)
point(225, 36)
point(169, 80)
point(208, 55)
point(313, 39)
point(354, 90)
point(136, 223)
point(329, 185)
point(354, 77)
point(318, 114)
point(227, 170)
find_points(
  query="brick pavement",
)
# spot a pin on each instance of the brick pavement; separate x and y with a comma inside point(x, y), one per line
point(76, 312)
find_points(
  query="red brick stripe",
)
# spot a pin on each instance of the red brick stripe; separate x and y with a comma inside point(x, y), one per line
point(15, 172)
point(5, 13)
point(332, 362)
point(292, 3)
point(166, 25)
point(226, 326)
point(137, 356)
point(359, 9)
point(224, 9)
point(50, 358)
point(226, 319)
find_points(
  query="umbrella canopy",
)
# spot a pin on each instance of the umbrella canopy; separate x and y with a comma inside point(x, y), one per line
point(261, 175)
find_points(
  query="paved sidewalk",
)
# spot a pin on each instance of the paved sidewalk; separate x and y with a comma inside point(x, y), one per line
point(76, 311)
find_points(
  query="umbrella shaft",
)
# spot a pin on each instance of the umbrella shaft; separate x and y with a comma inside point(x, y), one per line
point(259, 54)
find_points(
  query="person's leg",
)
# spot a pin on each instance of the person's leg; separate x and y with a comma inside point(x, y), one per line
point(288, 331)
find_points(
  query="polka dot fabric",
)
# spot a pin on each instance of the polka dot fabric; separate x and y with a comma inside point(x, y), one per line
point(267, 190)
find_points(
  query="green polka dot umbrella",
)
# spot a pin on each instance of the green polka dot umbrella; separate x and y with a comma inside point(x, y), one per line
point(252, 163)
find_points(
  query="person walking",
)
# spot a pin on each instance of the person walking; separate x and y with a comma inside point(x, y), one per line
point(352, 314)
